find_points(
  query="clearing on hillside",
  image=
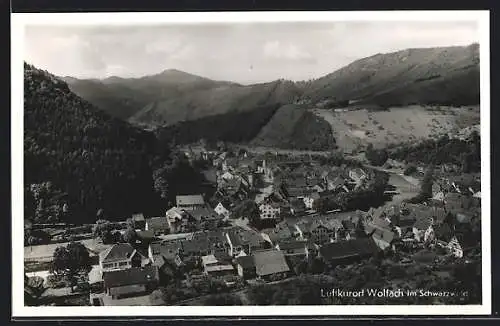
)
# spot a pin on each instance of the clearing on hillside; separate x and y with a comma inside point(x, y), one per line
point(354, 128)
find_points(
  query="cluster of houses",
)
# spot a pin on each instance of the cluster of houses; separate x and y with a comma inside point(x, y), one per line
point(226, 253)
point(295, 184)
point(204, 245)
point(446, 222)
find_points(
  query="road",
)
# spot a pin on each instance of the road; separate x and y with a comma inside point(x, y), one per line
point(44, 274)
point(43, 253)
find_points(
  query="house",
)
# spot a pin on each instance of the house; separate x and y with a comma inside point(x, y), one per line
point(334, 181)
point(269, 211)
point(447, 238)
point(130, 282)
point(166, 257)
point(158, 225)
point(227, 176)
point(234, 188)
point(310, 199)
point(318, 231)
point(261, 166)
point(296, 248)
point(270, 264)
point(423, 229)
point(205, 218)
point(96, 281)
point(120, 256)
point(222, 210)
point(240, 239)
point(168, 250)
point(245, 266)
point(357, 175)
point(345, 252)
point(195, 248)
point(215, 266)
point(385, 238)
point(205, 243)
point(175, 215)
point(283, 231)
point(190, 202)
point(138, 221)
point(465, 183)
point(297, 206)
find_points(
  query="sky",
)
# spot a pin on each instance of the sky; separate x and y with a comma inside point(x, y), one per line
point(244, 53)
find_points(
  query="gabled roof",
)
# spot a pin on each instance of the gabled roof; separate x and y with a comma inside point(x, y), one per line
point(131, 276)
point(385, 235)
point(187, 200)
point(268, 262)
point(314, 195)
point(138, 217)
point(245, 261)
point(349, 248)
point(239, 236)
point(159, 223)
point(145, 234)
point(378, 223)
point(294, 244)
point(423, 223)
point(119, 251)
point(444, 233)
point(297, 204)
point(203, 213)
point(167, 250)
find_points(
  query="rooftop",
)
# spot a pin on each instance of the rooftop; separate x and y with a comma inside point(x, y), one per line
point(350, 248)
point(119, 251)
point(159, 223)
point(188, 200)
point(268, 262)
point(245, 261)
point(130, 276)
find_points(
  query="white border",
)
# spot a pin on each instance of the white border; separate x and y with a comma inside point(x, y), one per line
point(19, 21)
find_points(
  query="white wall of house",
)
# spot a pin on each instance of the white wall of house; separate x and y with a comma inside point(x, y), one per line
point(269, 212)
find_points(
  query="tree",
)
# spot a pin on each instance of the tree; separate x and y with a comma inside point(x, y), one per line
point(248, 209)
point(130, 235)
point(427, 182)
point(360, 229)
point(70, 261)
point(410, 169)
point(376, 157)
point(102, 229)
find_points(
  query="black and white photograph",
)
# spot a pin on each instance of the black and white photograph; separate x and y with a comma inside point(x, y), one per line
point(283, 163)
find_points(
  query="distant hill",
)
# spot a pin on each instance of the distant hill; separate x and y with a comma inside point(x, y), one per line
point(94, 161)
point(444, 75)
point(214, 101)
point(295, 127)
point(125, 97)
point(187, 107)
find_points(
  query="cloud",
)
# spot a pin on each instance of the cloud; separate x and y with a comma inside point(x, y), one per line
point(294, 51)
point(279, 51)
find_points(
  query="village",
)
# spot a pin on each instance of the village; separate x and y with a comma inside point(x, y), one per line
point(271, 217)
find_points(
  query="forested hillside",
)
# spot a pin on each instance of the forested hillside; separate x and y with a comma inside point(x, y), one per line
point(233, 127)
point(295, 127)
point(78, 159)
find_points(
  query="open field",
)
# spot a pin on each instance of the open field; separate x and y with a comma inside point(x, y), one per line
point(359, 127)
